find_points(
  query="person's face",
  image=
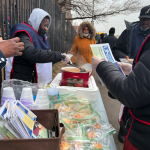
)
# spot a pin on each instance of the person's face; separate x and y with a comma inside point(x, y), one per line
point(86, 30)
point(44, 24)
point(144, 23)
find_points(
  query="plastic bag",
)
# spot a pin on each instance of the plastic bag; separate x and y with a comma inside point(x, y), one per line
point(59, 104)
point(83, 143)
point(99, 133)
point(76, 103)
point(68, 96)
point(84, 113)
point(17, 86)
point(64, 145)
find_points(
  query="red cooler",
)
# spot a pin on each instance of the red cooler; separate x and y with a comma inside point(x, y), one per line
point(75, 79)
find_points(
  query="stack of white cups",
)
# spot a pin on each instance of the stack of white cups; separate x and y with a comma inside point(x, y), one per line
point(7, 94)
point(42, 99)
point(27, 98)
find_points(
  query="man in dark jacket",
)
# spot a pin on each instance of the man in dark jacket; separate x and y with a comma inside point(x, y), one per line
point(130, 40)
point(134, 92)
point(111, 39)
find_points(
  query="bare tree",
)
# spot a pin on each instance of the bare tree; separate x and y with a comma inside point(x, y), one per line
point(83, 9)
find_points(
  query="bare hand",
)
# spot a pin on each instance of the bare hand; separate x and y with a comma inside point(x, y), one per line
point(12, 47)
point(127, 57)
point(95, 62)
point(126, 67)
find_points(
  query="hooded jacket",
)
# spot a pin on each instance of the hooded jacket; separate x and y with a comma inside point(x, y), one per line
point(134, 92)
point(36, 18)
point(81, 49)
point(36, 48)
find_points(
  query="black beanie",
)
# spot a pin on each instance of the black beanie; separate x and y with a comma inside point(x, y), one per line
point(112, 31)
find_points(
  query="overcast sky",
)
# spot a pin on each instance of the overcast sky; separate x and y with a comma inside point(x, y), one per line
point(117, 22)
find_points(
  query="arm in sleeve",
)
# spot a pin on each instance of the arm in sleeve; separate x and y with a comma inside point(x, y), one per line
point(2, 60)
point(74, 51)
point(117, 49)
point(33, 55)
point(132, 91)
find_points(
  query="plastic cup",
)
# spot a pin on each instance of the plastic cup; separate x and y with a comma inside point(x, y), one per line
point(42, 97)
point(7, 94)
point(26, 95)
point(53, 94)
point(42, 94)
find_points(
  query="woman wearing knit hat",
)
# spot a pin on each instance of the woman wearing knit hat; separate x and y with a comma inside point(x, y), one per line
point(81, 49)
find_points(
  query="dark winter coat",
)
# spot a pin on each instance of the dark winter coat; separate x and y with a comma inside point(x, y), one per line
point(111, 39)
point(134, 92)
point(24, 65)
point(123, 45)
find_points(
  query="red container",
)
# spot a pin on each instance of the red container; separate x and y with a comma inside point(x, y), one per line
point(76, 79)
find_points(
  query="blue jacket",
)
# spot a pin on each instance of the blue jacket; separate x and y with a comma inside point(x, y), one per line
point(38, 41)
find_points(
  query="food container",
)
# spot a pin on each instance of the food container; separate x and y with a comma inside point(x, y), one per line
point(71, 76)
point(91, 93)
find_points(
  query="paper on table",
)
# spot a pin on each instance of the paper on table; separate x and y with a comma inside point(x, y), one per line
point(5, 131)
point(26, 119)
point(12, 130)
point(39, 131)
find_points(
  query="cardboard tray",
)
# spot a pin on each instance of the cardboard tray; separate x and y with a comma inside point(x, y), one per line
point(46, 118)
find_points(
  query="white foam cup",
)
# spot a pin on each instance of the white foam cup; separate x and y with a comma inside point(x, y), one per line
point(7, 94)
point(26, 95)
point(42, 95)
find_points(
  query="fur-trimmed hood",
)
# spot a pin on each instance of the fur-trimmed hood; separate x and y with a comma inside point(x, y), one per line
point(91, 29)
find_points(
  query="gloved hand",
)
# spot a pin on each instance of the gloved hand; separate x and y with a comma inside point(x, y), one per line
point(95, 62)
point(126, 67)
point(66, 59)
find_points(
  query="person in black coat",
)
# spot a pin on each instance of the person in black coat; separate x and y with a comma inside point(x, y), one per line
point(37, 52)
point(134, 92)
point(132, 37)
point(111, 39)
